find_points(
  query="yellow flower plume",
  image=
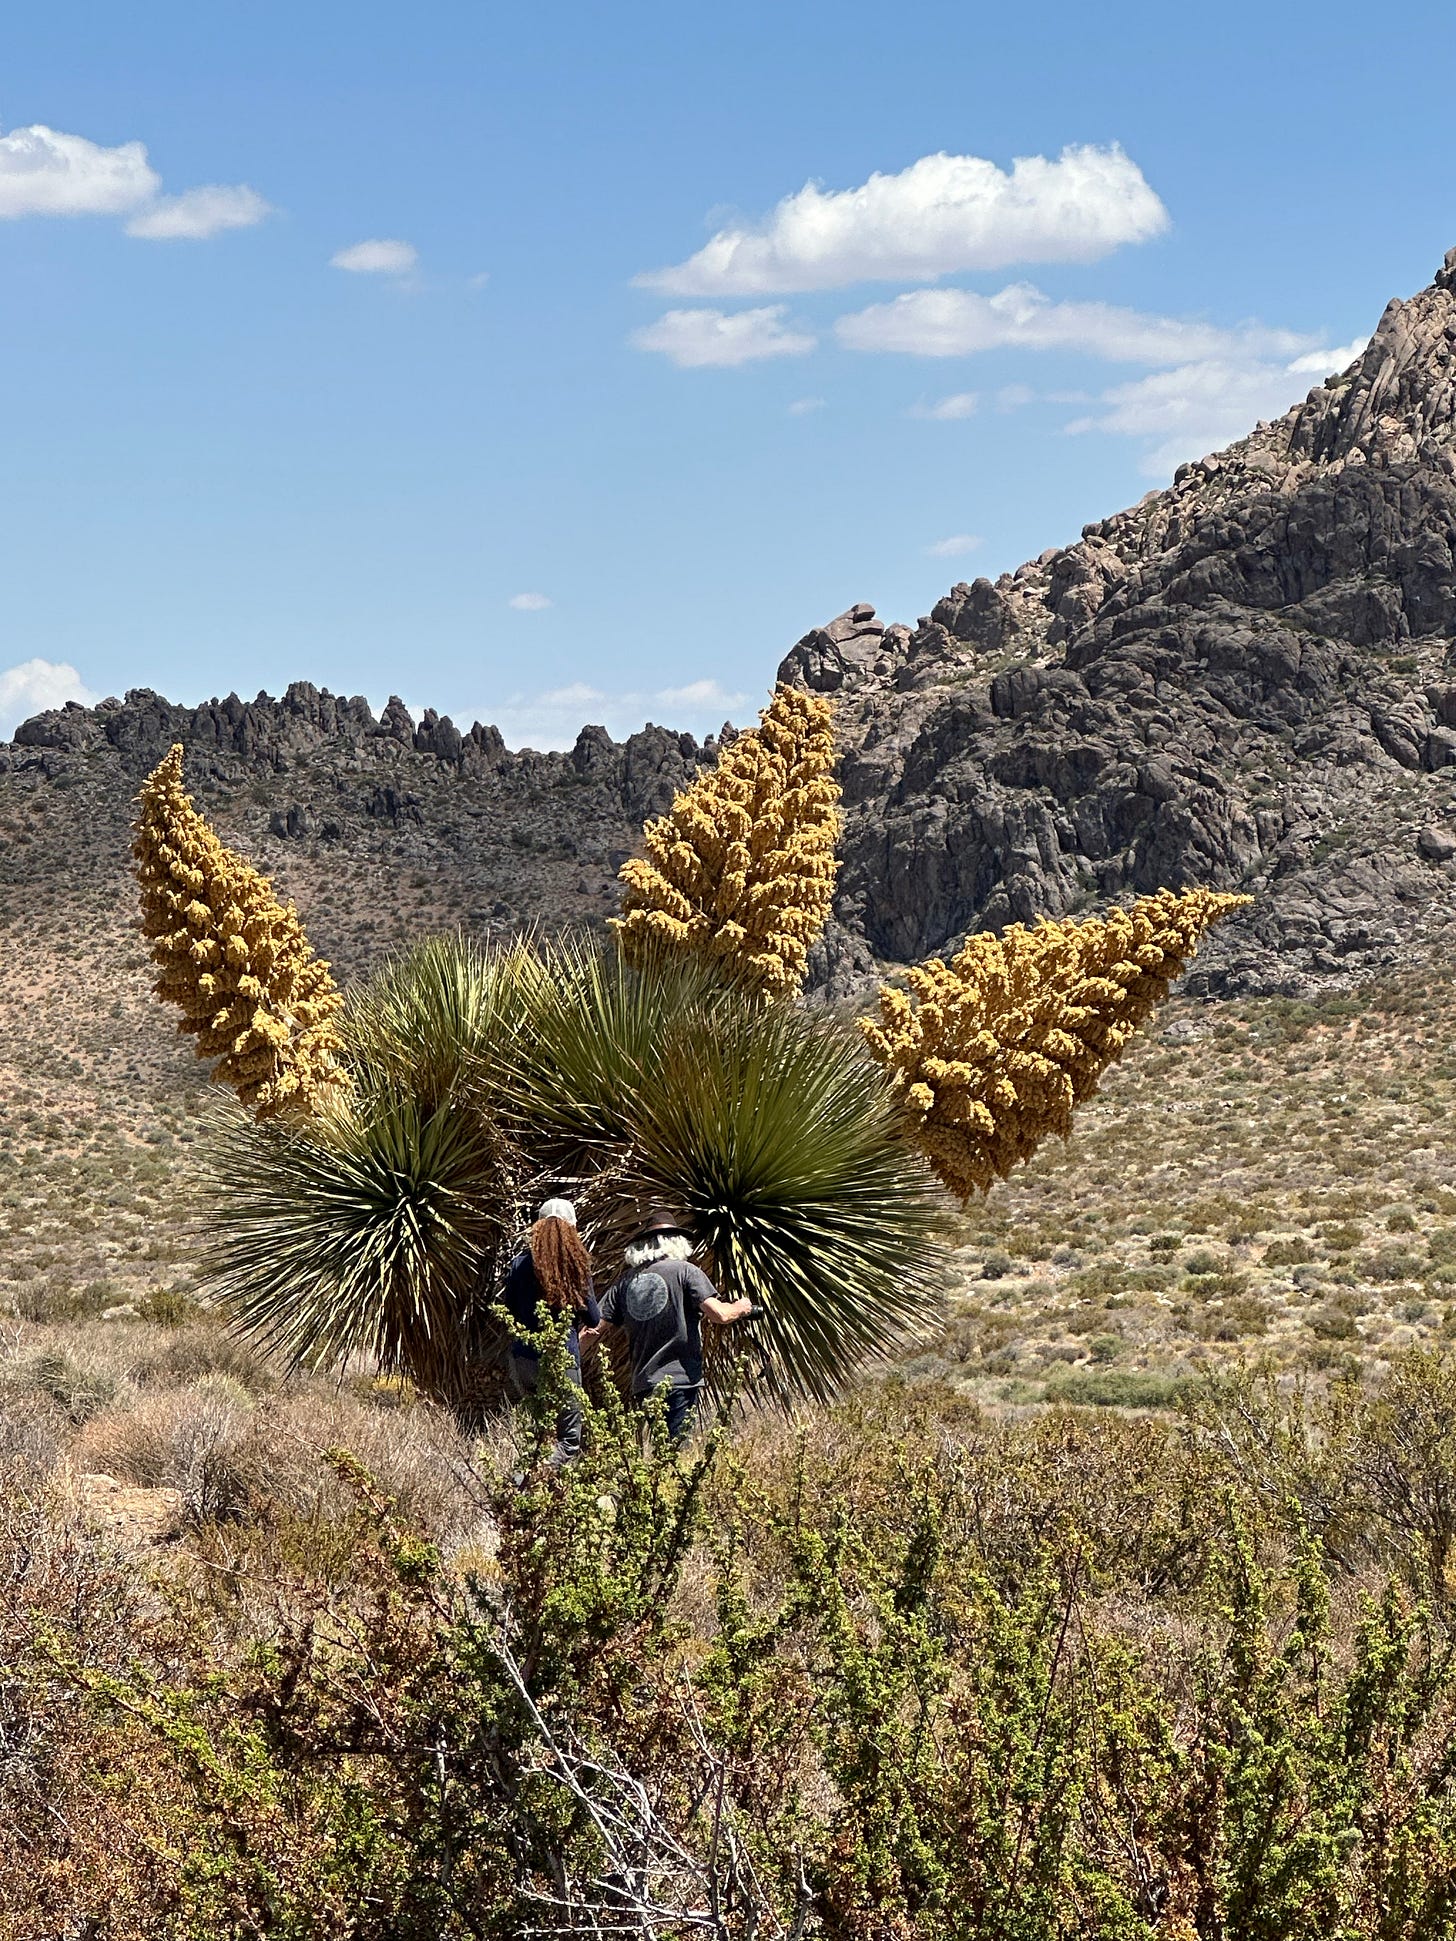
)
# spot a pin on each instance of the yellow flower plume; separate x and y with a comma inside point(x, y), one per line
point(233, 958)
point(741, 869)
point(992, 1052)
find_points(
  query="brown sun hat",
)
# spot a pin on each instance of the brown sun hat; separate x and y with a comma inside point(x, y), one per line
point(662, 1220)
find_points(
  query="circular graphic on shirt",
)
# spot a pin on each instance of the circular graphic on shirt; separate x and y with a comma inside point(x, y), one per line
point(646, 1297)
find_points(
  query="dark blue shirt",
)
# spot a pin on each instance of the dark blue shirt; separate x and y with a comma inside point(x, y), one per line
point(523, 1296)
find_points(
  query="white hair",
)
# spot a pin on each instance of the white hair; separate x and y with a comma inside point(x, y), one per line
point(558, 1210)
point(658, 1246)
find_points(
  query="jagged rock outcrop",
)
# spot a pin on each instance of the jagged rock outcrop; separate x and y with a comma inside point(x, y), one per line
point(1245, 681)
point(381, 827)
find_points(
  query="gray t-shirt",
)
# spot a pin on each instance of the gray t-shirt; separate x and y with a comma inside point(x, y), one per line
point(661, 1307)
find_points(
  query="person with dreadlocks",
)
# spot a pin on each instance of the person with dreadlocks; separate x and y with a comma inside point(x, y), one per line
point(551, 1276)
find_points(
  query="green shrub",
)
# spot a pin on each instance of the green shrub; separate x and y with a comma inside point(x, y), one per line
point(1390, 1264)
point(1203, 1261)
point(911, 1671)
point(1114, 1388)
point(1288, 1253)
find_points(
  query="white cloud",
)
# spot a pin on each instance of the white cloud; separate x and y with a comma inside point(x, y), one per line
point(943, 213)
point(957, 323)
point(1011, 397)
point(377, 256)
point(956, 547)
point(576, 694)
point(1329, 363)
point(555, 718)
point(1200, 407)
point(45, 173)
point(199, 213)
point(695, 338)
point(698, 695)
point(960, 404)
point(801, 407)
point(36, 685)
point(529, 602)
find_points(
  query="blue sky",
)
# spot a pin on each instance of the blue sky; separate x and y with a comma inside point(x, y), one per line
point(491, 468)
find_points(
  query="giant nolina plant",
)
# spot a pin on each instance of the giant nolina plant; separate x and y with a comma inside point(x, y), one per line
point(366, 1200)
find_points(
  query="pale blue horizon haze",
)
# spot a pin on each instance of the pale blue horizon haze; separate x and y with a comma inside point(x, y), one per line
point(394, 365)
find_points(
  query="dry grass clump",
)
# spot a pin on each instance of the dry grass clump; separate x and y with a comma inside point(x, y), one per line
point(201, 1349)
point(32, 1434)
point(232, 1456)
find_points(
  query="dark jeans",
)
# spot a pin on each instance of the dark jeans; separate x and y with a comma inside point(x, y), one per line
point(522, 1373)
point(682, 1407)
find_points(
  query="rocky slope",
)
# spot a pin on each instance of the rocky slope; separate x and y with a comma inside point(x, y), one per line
point(1245, 680)
point(380, 828)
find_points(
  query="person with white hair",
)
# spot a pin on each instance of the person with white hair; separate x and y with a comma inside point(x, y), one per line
point(661, 1299)
point(551, 1276)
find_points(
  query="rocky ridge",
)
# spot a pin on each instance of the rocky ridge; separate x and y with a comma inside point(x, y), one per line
point(378, 826)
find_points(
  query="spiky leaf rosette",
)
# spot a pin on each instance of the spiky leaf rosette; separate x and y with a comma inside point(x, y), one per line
point(233, 958)
point(741, 869)
point(771, 1130)
point(383, 1231)
point(993, 1051)
point(487, 1078)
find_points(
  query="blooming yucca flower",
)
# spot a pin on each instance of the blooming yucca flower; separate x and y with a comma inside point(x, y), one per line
point(992, 1051)
point(233, 958)
point(741, 869)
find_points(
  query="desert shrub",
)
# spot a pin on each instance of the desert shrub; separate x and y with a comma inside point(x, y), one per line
point(1151, 1280)
point(204, 1348)
point(231, 1457)
point(80, 1392)
point(1288, 1253)
point(1204, 1261)
point(1390, 1264)
point(1114, 1388)
point(182, 1439)
point(30, 1439)
point(907, 1671)
point(1341, 1235)
point(56, 1297)
point(1331, 1323)
point(1100, 1281)
point(169, 1307)
point(1236, 1318)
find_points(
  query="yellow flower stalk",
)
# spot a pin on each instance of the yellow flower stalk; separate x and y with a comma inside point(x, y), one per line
point(742, 867)
point(233, 958)
point(993, 1051)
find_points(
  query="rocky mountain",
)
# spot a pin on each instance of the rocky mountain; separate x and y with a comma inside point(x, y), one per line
point(1246, 680)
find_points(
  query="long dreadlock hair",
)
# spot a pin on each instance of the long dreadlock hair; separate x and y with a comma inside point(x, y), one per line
point(563, 1265)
